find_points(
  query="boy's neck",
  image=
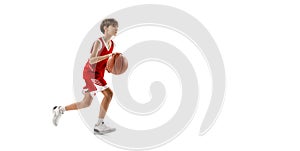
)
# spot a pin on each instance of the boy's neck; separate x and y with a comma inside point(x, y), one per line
point(106, 38)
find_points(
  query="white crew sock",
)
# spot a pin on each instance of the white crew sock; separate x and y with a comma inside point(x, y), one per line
point(63, 109)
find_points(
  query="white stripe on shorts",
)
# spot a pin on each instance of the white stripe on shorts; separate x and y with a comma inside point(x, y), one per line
point(99, 89)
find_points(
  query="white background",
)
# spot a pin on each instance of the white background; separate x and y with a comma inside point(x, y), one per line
point(258, 40)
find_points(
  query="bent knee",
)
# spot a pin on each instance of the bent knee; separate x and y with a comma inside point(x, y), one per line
point(87, 101)
point(109, 94)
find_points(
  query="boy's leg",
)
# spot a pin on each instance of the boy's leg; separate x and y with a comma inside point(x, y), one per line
point(86, 101)
point(100, 127)
point(108, 94)
point(59, 110)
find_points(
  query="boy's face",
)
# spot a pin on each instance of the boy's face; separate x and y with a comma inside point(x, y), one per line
point(111, 30)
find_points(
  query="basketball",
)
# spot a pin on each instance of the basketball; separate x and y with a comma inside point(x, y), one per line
point(117, 64)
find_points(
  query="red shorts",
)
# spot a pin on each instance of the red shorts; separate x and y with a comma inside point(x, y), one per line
point(93, 86)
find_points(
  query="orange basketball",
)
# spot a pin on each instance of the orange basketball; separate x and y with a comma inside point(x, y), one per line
point(117, 64)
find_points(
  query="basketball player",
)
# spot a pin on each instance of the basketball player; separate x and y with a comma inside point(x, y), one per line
point(93, 75)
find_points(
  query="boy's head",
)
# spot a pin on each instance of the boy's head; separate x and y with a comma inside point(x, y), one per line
point(107, 22)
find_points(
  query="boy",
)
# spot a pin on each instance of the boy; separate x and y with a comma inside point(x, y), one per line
point(93, 74)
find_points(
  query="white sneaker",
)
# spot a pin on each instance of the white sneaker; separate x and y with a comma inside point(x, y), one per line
point(57, 112)
point(102, 129)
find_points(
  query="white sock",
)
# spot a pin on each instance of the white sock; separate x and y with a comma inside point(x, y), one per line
point(63, 109)
point(100, 121)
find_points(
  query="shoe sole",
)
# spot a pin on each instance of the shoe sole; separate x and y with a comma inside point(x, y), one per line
point(55, 118)
point(96, 132)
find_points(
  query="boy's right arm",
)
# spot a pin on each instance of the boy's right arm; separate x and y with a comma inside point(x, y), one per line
point(94, 58)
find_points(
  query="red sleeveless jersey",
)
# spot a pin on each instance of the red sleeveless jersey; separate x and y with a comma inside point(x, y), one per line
point(96, 71)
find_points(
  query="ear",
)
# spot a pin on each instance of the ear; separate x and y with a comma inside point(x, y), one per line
point(105, 27)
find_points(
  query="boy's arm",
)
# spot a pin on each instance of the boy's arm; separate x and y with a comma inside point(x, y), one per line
point(94, 58)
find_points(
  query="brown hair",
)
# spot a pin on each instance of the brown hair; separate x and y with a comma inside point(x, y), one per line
point(107, 22)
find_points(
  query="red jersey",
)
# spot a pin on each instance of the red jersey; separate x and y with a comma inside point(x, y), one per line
point(96, 71)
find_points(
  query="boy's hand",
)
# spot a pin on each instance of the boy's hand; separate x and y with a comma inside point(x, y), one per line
point(112, 56)
point(115, 53)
